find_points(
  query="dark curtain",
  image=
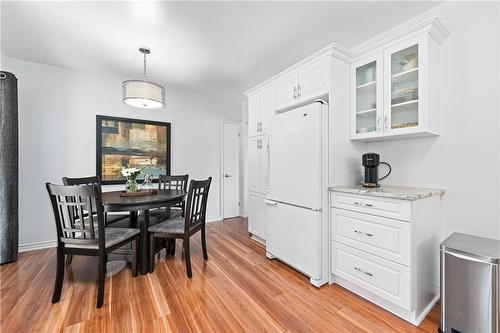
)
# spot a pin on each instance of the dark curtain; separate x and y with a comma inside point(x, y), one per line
point(9, 229)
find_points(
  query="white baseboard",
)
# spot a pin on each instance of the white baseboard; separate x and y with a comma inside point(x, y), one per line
point(213, 219)
point(37, 245)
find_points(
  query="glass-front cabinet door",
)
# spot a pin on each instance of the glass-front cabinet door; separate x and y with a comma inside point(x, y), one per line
point(402, 103)
point(366, 97)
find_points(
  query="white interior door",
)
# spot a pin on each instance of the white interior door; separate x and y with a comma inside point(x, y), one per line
point(231, 170)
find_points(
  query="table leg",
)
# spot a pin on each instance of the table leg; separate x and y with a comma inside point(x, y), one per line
point(144, 243)
point(133, 219)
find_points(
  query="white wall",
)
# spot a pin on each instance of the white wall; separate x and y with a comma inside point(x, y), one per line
point(464, 159)
point(57, 110)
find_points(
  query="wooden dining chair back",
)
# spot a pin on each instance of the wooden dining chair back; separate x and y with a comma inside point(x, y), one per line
point(78, 213)
point(196, 205)
point(174, 182)
point(184, 228)
point(80, 225)
point(108, 218)
point(81, 181)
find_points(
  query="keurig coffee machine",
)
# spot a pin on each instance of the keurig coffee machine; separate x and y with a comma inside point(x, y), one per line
point(371, 161)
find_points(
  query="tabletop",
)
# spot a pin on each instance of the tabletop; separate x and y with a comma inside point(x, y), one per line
point(113, 202)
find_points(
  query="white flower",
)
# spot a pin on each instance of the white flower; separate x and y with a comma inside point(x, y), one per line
point(127, 172)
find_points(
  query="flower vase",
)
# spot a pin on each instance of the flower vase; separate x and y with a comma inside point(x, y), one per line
point(131, 185)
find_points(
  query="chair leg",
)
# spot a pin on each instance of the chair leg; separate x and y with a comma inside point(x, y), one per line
point(134, 257)
point(166, 245)
point(172, 247)
point(204, 243)
point(59, 276)
point(69, 259)
point(151, 253)
point(101, 278)
point(187, 257)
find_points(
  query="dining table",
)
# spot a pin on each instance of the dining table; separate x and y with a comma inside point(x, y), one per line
point(115, 201)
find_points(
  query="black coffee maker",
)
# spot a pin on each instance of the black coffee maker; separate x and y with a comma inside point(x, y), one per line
point(371, 161)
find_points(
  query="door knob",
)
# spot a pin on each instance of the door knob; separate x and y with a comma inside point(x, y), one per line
point(226, 175)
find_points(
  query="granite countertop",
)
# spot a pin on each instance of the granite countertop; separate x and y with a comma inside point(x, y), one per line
point(390, 191)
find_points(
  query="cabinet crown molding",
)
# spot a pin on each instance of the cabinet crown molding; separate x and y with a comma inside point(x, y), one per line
point(432, 26)
point(332, 49)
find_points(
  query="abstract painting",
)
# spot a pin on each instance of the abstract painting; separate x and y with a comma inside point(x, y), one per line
point(131, 142)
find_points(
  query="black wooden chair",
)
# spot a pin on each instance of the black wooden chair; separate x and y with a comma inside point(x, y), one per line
point(169, 182)
point(109, 218)
point(185, 227)
point(79, 217)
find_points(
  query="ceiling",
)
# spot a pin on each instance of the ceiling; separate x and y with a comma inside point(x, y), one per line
point(218, 48)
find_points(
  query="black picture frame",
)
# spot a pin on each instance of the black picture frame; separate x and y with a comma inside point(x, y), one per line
point(99, 121)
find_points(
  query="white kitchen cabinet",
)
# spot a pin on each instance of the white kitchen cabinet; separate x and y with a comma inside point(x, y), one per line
point(258, 177)
point(261, 108)
point(313, 79)
point(286, 90)
point(367, 97)
point(254, 114)
point(394, 89)
point(387, 250)
point(256, 215)
point(303, 84)
point(258, 180)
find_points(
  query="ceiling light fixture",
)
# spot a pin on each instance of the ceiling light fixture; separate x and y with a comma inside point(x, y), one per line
point(142, 93)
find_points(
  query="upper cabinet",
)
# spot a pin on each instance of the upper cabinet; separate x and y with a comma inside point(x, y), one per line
point(304, 83)
point(297, 85)
point(394, 88)
point(367, 101)
point(405, 82)
point(260, 110)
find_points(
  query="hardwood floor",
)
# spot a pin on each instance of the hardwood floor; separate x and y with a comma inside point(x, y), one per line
point(236, 290)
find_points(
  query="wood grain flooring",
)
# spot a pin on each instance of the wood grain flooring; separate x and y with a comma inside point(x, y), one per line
point(236, 290)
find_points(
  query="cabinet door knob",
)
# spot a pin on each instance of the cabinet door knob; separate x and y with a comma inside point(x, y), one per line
point(294, 92)
point(298, 90)
point(385, 123)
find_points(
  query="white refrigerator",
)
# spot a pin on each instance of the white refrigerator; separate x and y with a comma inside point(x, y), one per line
point(296, 181)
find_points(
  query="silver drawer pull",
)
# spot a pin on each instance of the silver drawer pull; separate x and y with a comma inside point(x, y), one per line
point(362, 204)
point(359, 232)
point(362, 271)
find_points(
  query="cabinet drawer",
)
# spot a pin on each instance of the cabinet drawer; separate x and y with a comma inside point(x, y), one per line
point(395, 209)
point(387, 238)
point(381, 277)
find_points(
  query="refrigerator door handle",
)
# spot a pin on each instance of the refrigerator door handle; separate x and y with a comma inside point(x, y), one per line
point(270, 203)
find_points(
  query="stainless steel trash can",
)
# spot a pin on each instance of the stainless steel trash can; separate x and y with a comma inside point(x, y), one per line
point(469, 284)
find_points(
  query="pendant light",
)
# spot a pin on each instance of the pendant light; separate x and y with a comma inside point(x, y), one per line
point(142, 93)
